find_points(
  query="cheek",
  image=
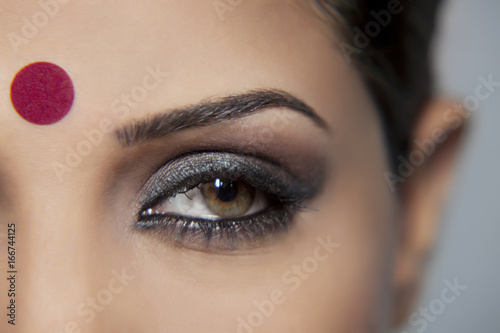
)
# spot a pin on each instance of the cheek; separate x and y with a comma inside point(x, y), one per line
point(350, 291)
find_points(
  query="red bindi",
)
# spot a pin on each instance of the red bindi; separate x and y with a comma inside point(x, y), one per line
point(42, 93)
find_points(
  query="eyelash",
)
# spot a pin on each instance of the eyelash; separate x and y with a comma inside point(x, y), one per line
point(286, 198)
point(221, 235)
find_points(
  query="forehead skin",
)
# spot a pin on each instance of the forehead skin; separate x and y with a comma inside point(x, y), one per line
point(255, 44)
point(107, 48)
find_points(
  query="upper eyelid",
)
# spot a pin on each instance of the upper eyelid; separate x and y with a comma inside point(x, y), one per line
point(151, 193)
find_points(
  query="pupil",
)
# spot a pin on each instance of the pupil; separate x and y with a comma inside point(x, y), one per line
point(226, 191)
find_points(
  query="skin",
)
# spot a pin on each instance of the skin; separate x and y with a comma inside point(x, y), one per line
point(73, 233)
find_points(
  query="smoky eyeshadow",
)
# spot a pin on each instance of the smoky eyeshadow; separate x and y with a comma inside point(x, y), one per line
point(186, 172)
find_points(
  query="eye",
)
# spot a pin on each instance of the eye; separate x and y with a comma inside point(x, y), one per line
point(214, 200)
point(217, 202)
point(228, 198)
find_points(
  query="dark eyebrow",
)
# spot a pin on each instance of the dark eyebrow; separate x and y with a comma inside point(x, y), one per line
point(210, 112)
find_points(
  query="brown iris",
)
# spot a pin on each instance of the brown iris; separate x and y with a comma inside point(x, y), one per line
point(228, 198)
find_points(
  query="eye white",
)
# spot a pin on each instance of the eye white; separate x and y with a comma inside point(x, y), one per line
point(192, 204)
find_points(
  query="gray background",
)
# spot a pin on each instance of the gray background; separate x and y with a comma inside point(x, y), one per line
point(467, 46)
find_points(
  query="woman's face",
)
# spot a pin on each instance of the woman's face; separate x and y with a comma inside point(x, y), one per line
point(89, 261)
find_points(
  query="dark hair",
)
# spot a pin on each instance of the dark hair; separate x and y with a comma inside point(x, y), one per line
point(395, 65)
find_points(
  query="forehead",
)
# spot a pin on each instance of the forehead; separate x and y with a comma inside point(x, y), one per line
point(169, 54)
point(190, 39)
point(114, 33)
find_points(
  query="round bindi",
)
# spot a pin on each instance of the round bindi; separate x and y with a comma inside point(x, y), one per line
point(42, 93)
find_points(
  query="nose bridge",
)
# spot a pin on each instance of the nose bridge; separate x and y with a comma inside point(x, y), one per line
point(53, 258)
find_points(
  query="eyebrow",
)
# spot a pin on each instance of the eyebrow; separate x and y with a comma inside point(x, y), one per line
point(209, 112)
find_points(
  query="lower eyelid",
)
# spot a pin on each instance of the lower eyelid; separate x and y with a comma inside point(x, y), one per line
point(223, 236)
